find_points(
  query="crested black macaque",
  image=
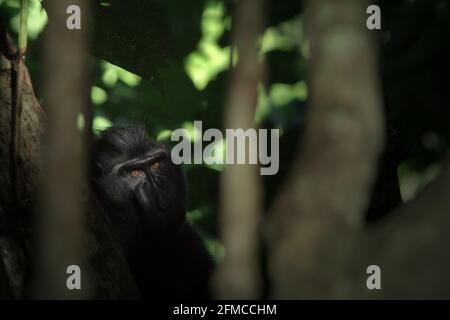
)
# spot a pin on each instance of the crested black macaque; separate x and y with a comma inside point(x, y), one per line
point(143, 193)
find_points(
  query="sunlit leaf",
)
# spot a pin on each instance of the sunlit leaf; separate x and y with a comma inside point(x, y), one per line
point(100, 123)
point(164, 135)
point(262, 108)
point(37, 18)
point(194, 133)
point(98, 95)
point(219, 155)
point(210, 59)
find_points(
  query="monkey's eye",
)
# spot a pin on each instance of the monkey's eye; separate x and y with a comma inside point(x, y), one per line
point(136, 173)
point(155, 166)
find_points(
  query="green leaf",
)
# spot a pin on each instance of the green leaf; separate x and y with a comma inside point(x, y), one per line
point(133, 35)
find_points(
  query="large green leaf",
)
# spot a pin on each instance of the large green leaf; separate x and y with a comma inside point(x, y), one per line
point(133, 34)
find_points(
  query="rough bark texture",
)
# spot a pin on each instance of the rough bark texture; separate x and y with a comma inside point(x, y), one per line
point(109, 276)
point(15, 238)
point(241, 189)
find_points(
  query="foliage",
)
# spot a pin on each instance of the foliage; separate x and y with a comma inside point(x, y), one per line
point(165, 63)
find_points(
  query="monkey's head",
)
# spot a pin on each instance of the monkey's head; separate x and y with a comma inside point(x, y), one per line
point(134, 175)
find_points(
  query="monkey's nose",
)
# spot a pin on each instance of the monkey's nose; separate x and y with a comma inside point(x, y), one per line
point(143, 194)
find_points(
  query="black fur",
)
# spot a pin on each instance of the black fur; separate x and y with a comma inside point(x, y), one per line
point(166, 256)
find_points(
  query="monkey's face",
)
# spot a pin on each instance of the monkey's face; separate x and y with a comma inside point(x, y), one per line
point(142, 181)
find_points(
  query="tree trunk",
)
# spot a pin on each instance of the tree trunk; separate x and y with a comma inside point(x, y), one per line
point(241, 185)
point(319, 246)
point(110, 277)
point(324, 201)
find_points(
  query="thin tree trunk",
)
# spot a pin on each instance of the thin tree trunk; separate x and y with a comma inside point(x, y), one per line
point(59, 222)
point(241, 185)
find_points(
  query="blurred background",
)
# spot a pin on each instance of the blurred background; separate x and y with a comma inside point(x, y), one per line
point(181, 75)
